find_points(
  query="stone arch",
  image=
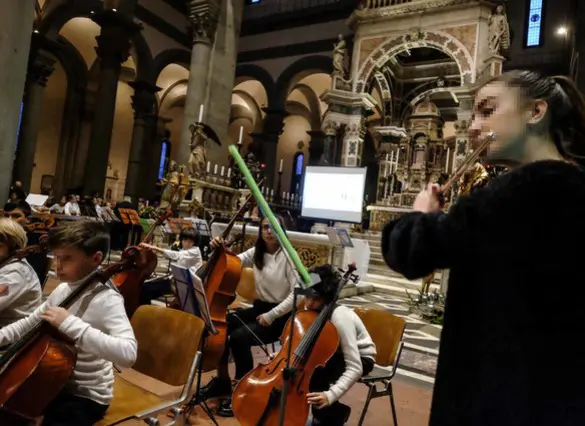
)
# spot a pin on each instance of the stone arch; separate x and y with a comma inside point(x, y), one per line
point(167, 57)
point(252, 71)
point(309, 65)
point(435, 39)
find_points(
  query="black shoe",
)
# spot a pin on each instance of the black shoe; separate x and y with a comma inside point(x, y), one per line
point(216, 388)
point(225, 409)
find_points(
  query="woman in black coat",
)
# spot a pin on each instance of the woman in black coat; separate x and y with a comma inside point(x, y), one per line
point(511, 350)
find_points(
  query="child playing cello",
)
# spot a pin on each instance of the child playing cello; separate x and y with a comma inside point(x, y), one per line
point(97, 322)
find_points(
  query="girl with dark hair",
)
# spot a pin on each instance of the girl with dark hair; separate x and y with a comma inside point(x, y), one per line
point(275, 280)
point(509, 253)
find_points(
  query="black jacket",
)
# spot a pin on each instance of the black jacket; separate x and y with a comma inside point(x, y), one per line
point(511, 349)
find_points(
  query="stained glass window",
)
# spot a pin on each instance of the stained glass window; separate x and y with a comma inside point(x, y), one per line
point(164, 153)
point(299, 164)
point(534, 28)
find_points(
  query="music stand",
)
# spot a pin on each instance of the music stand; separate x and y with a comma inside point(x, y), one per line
point(191, 298)
point(130, 217)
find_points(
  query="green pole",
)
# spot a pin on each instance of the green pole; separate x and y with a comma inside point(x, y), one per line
point(284, 242)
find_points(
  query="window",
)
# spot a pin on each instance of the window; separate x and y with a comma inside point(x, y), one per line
point(299, 164)
point(164, 159)
point(534, 27)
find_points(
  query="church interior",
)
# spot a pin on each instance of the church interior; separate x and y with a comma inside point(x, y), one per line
point(133, 105)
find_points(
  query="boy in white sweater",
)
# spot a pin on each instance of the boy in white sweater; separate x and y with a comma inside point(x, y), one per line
point(97, 323)
point(20, 290)
point(354, 358)
point(189, 258)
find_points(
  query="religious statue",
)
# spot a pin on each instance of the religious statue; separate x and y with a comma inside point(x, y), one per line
point(339, 53)
point(198, 157)
point(170, 181)
point(499, 31)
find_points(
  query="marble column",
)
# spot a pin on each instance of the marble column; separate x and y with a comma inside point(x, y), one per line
point(16, 25)
point(268, 141)
point(329, 142)
point(144, 104)
point(353, 141)
point(113, 49)
point(204, 17)
point(40, 68)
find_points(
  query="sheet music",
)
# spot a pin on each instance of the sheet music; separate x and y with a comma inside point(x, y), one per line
point(191, 295)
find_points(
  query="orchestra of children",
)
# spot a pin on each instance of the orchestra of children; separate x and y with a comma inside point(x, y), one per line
point(103, 336)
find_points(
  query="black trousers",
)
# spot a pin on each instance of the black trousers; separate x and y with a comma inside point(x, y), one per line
point(323, 378)
point(70, 410)
point(154, 289)
point(240, 341)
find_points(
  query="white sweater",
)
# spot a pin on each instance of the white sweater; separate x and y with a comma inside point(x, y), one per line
point(24, 292)
point(102, 333)
point(188, 259)
point(355, 342)
point(274, 283)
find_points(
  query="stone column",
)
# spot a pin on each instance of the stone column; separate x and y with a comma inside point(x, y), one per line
point(268, 141)
point(16, 24)
point(144, 104)
point(353, 142)
point(40, 68)
point(204, 17)
point(113, 49)
point(329, 142)
point(316, 147)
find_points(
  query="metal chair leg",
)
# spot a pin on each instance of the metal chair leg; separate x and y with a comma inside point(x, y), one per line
point(366, 405)
point(393, 407)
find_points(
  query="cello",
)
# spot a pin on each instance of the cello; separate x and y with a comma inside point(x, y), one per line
point(220, 277)
point(34, 369)
point(130, 282)
point(257, 398)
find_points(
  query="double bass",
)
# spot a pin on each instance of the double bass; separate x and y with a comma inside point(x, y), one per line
point(35, 369)
point(130, 282)
point(257, 398)
point(220, 277)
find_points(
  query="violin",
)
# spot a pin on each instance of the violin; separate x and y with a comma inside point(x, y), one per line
point(42, 247)
point(130, 282)
point(257, 398)
point(35, 369)
point(220, 278)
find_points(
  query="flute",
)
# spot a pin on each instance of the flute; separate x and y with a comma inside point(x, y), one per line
point(293, 256)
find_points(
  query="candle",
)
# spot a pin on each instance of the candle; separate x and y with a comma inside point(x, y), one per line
point(241, 135)
point(229, 172)
point(222, 171)
point(280, 168)
point(447, 161)
point(215, 169)
point(272, 192)
point(201, 114)
point(208, 166)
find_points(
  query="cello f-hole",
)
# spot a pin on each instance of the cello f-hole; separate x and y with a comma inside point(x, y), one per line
point(268, 371)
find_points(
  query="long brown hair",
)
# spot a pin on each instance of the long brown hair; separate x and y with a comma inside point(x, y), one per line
point(565, 116)
point(261, 244)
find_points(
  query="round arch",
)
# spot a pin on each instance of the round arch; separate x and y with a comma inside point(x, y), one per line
point(434, 39)
point(250, 71)
point(167, 57)
point(306, 65)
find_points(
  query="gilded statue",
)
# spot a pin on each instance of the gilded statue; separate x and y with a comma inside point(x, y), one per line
point(339, 53)
point(198, 157)
point(170, 181)
point(475, 178)
point(499, 31)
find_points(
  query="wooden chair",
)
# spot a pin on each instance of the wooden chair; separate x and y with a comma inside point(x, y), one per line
point(387, 332)
point(168, 351)
point(246, 290)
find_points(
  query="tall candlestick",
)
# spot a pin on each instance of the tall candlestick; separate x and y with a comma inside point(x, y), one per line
point(241, 135)
point(222, 170)
point(229, 172)
point(201, 114)
point(280, 168)
point(215, 169)
point(208, 166)
point(447, 161)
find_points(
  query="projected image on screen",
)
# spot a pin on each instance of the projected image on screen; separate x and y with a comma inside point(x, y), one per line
point(334, 193)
